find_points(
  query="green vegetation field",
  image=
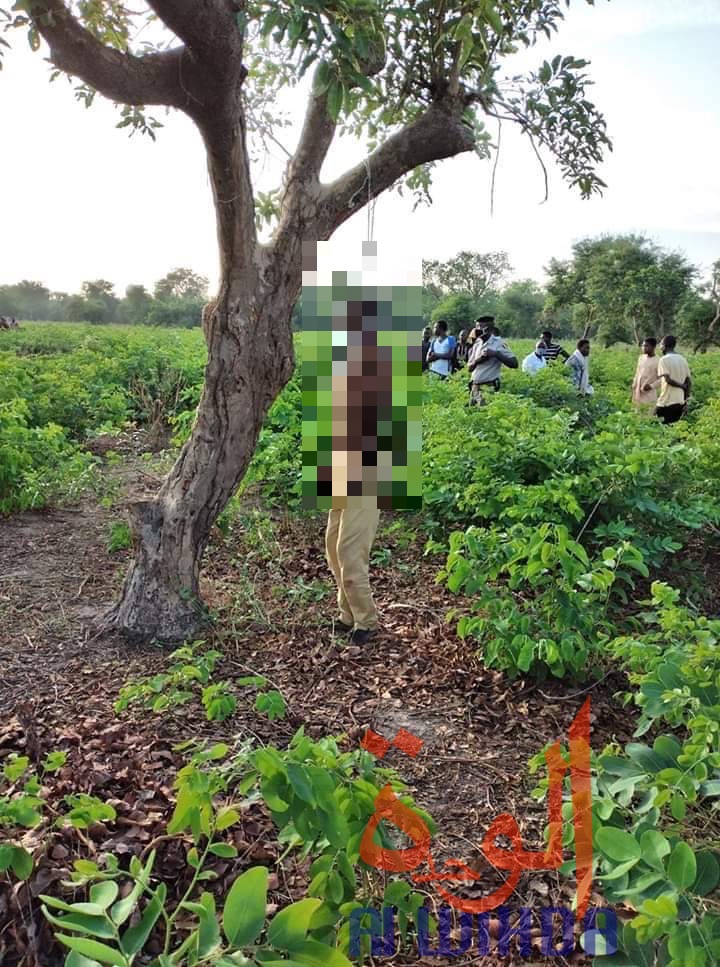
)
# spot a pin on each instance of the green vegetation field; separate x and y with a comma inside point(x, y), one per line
point(580, 540)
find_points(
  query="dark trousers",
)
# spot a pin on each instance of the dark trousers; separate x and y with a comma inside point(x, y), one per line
point(670, 414)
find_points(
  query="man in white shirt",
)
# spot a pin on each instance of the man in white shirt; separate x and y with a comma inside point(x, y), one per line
point(675, 382)
point(646, 373)
point(536, 361)
point(441, 351)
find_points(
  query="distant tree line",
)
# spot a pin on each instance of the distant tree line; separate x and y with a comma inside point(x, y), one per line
point(615, 288)
point(176, 300)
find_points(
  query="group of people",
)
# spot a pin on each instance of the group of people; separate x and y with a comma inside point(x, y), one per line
point(482, 351)
point(661, 383)
point(8, 322)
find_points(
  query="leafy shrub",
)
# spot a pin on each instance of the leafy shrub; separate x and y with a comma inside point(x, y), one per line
point(37, 464)
point(554, 608)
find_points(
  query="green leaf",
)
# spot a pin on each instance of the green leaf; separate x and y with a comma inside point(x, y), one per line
point(682, 866)
point(525, 658)
point(617, 844)
point(289, 928)
point(209, 932)
point(225, 850)
point(257, 680)
point(123, 908)
point(226, 818)
point(620, 870)
point(654, 846)
point(94, 949)
point(104, 893)
point(16, 765)
point(74, 959)
point(708, 873)
point(54, 761)
point(135, 937)
point(335, 94)
point(244, 913)
point(300, 782)
point(82, 923)
point(21, 863)
point(320, 955)
point(678, 807)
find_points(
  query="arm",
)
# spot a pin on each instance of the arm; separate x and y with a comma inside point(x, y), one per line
point(506, 356)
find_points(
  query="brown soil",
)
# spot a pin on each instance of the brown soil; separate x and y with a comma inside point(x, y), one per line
point(270, 592)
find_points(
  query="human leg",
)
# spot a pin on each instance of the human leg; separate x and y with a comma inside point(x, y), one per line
point(331, 552)
point(356, 535)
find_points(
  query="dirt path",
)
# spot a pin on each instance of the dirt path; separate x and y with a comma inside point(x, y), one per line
point(268, 586)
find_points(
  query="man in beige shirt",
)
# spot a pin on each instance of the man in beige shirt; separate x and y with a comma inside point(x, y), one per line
point(674, 379)
point(646, 373)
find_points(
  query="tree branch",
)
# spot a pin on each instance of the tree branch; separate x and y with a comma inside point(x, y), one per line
point(316, 137)
point(208, 28)
point(149, 79)
point(438, 133)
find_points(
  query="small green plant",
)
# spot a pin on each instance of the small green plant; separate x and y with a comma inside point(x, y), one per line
point(120, 538)
point(270, 703)
point(190, 676)
point(306, 592)
point(191, 669)
point(22, 807)
point(381, 557)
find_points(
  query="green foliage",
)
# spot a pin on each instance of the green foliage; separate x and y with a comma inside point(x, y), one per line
point(474, 274)
point(120, 538)
point(622, 288)
point(553, 609)
point(320, 799)
point(653, 805)
point(38, 464)
point(22, 806)
point(190, 676)
point(178, 301)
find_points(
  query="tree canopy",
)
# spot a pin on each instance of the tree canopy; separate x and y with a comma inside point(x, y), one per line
point(378, 65)
point(474, 273)
point(620, 288)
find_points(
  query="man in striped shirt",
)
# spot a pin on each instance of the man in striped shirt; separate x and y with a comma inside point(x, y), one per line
point(552, 349)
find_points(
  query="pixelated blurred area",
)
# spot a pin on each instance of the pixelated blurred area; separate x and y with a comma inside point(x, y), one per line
point(361, 391)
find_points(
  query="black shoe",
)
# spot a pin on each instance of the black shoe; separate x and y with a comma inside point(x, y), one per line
point(362, 635)
point(341, 628)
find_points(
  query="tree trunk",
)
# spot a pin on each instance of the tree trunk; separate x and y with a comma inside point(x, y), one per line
point(161, 597)
point(250, 359)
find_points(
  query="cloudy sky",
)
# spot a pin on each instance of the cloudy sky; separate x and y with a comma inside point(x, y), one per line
point(80, 200)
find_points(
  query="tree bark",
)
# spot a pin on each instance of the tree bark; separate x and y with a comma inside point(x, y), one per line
point(250, 359)
point(161, 596)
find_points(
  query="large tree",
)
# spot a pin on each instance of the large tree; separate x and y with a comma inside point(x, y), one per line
point(620, 287)
point(474, 273)
point(416, 78)
point(698, 319)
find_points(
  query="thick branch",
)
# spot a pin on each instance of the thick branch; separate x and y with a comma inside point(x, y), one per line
point(438, 133)
point(149, 79)
point(207, 27)
point(315, 139)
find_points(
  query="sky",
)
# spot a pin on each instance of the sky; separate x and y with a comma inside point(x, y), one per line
point(80, 200)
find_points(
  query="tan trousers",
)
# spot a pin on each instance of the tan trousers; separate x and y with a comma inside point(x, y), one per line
point(348, 539)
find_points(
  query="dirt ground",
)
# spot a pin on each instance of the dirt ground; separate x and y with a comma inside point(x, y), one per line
point(268, 587)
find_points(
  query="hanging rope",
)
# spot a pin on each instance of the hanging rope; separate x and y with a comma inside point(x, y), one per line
point(370, 205)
